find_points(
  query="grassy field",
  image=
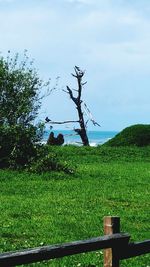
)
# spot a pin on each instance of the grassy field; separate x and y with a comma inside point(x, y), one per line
point(55, 207)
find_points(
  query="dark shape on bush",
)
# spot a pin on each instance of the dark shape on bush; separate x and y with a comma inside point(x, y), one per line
point(60, 139)
point(135, 135)
point(47, 119)
point(55, 141)
point(51, 139)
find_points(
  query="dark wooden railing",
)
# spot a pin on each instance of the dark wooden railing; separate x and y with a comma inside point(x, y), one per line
point(115, 244)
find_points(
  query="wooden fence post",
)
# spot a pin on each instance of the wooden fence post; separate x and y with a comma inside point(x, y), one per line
point(111, 226)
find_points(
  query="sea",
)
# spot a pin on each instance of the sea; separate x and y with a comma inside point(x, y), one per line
point(95, 137)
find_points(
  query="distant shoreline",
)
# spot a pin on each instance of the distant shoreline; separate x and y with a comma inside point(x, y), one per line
point(95, 137)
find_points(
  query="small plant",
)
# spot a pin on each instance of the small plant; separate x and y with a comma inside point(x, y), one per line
point(50, 162)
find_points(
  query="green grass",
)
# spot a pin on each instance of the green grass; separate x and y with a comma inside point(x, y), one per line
point(55, 207)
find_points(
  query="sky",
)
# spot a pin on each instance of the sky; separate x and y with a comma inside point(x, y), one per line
point(109, 39)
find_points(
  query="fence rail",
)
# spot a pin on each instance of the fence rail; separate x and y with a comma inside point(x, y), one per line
point(135, 249)
point(116, 247)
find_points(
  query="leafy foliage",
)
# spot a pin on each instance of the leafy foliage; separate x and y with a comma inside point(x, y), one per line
point(19, 103)
point(51, 162)
point(138, 135)
point(20, 100)
point(17, 145)
point(19, 91)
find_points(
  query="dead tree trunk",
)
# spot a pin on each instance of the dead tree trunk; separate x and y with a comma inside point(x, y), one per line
point(78, 102)
point(82, 130)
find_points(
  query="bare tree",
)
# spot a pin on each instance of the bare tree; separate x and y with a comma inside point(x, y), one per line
point(80, 105)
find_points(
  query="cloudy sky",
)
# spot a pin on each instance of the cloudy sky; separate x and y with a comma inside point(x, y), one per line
point(110, 39)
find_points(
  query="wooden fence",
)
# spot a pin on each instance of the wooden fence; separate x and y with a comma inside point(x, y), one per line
point(115, 244)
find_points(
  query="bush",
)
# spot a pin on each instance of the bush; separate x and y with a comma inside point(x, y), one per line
point(20, 88)
point(55, 141)
point(19, 150)
point(50, 162)
point(18, 145)
point(20, 100)
point(137, 135)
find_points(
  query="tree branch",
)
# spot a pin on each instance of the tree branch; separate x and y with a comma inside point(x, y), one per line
point(59, 122)
point(75, 100)
point(88, 112)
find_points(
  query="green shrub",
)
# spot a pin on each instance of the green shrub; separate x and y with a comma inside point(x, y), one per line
point(137, 135)
point(18, 150)
point(17, 145)
point(20, 87)
point(20, 100)
point(50, 162)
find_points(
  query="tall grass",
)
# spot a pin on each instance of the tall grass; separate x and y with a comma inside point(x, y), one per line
point(55, 207)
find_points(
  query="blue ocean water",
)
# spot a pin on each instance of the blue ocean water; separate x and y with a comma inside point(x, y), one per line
point(95, 137)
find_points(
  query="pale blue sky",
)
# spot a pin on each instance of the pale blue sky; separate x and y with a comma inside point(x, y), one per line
point(110, 39)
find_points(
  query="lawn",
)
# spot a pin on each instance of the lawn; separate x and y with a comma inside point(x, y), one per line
point(56, 207)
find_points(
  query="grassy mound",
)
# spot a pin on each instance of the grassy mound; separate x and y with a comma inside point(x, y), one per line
point(138, 135)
